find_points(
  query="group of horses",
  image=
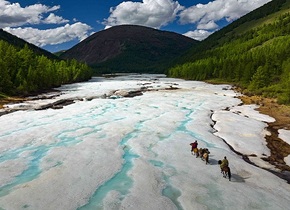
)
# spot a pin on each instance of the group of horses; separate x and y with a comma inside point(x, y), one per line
point(203, 153)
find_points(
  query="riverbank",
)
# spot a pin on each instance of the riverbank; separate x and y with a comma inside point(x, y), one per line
point(8, 100)
point(281, 114)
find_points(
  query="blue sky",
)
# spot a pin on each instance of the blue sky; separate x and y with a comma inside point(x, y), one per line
point(60, 24)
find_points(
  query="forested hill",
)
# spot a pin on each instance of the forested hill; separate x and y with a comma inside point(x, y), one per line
point(252, 52)
point(26, 69)
point(130, 48)
point(20, 43)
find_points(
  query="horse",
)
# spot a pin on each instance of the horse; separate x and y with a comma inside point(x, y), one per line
point(205, 157)
point(226, 171)
point(204, 154)
point(200, 152)
point(195, 152)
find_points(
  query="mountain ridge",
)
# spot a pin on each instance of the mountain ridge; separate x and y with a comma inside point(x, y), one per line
point(129, 48)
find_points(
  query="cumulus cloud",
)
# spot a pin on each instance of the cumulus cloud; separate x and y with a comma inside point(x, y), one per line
point(208, 26)
point(51, 36)
point(198, 34)
point(219, 9)
point(205, 16)
point(14, 19)
point(13, 15)
point(54, 19)
point(151, 13)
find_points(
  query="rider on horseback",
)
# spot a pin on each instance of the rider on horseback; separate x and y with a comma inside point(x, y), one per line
point(194, 148)
point(225, 169)
point(224, 163)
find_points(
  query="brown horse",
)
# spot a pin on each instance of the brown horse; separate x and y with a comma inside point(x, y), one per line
point(226, 171)
point(204, 154)
point(195, 152)
point(205, 157)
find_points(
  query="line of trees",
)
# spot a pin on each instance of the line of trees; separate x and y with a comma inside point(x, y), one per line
point(257, 60)
point(23, 72)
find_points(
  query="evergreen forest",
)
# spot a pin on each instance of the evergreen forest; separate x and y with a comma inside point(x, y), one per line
point(258, 59)
point(24, 72)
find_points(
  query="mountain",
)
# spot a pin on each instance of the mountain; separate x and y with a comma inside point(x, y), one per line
point(130, 48)
point(20, 43)
point(257, 18)
point(252, 52)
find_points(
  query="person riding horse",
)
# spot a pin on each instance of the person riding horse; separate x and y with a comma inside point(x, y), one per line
point(225, 169)
point(224, 163)
point(194, 148)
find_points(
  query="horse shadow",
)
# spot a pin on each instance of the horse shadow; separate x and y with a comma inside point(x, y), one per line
point(213, 161)
point(237, 178)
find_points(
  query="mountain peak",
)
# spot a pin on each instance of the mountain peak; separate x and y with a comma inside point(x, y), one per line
point(128, 48)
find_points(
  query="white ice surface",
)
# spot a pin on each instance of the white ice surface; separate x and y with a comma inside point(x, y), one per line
point(134, 153)
point(285, 136)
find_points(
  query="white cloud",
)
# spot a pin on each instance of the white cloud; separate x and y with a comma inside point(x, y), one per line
point(52, 36)
point(205, 16)
point(198, 34)
point(208, 26)
point(52, 18)
point(219, 9)
point(13, 15)
point(151, 13)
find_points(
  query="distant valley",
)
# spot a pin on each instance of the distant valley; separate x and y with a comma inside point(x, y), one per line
point(251, 53)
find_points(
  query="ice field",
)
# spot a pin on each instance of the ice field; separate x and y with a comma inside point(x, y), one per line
point(110, 152)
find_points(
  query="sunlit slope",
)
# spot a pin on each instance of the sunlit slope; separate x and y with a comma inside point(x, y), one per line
point(270, 18)
point(266, 14)
point(252, 52)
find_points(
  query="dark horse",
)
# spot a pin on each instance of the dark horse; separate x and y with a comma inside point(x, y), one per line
point(226, 171)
